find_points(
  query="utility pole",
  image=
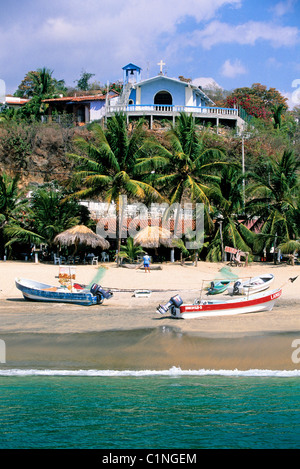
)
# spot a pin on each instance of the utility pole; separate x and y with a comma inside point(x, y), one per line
point(244, 136)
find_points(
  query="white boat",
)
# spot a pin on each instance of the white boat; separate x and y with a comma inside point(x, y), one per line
point(38, 291)
point(208, 308)
point(252, 285)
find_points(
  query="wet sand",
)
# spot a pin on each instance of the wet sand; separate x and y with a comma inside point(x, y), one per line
point(127, 333)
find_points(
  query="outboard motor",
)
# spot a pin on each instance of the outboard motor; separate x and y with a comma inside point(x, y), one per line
point(210, 289)
point(101, 294)
point(174, 302)
point(236, 286)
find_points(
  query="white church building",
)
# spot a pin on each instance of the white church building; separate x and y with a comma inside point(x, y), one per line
point(162, 97)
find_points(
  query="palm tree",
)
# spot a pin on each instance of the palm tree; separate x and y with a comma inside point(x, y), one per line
point(53, 213)
point(42, 86)
point(11, 197)
point(130, 251)
point(47, 215)
point(277, 111)
point(274, 202)
point(226, 196)
point(183, 170)
point(12, 203)
point(107, 166)
point(42, 81)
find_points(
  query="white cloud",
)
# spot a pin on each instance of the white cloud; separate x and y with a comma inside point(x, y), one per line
point(58, 29)
point(282, 8)
point(68, 35)
point(232, 69)
point(274, 63)
point(248, 33)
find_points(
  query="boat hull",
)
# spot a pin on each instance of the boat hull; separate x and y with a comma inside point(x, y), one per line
point(254, 285)
point(219, 287)
point(257, 303)
point(36, 291)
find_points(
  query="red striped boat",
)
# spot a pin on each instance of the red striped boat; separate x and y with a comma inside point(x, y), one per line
point(205, 308)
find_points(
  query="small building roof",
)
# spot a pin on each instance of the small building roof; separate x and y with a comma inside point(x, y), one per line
point(76, 99)
point(131, 66)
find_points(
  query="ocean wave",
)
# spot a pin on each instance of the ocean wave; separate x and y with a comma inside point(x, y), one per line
point(174, 371)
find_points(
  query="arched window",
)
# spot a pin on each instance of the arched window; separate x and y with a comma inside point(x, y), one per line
point(163, 97)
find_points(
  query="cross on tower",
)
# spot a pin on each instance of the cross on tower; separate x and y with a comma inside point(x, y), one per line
point(161, 63)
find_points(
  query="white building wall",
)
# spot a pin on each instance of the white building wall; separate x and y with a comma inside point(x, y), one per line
point(97, 110)
point(189, 97)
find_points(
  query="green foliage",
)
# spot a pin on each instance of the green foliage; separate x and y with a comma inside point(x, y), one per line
point(130, 252)
point(11, 198)
point(12, 204)
point(83, 82)
point(16, 145)
point(226, 196)
point(185, 167)
point(38, 85)
point(106, 165)
point(47, 213)
point(183, 164)
point(275, 201)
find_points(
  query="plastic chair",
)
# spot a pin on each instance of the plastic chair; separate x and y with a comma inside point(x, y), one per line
point(57, 260)
point(95, 261)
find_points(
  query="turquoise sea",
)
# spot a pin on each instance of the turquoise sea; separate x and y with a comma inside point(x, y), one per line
point(173, 409)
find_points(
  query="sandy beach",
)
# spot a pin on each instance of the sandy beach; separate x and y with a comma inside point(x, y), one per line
point(126, 332)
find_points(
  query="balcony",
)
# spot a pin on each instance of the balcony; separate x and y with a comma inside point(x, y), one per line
point(214, 115)
point(166, 109)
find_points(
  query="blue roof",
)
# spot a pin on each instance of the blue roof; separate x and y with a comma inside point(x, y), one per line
point(131, 67)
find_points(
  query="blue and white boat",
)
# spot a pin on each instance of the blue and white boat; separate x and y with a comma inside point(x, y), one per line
point(36, 291)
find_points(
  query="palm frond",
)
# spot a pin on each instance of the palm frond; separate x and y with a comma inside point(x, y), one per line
point(18, 234)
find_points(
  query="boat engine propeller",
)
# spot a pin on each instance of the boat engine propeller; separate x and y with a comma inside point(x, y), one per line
point(174, 302)
point(101, 294)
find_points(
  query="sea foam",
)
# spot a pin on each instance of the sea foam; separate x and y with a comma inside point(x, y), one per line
point(174, 371)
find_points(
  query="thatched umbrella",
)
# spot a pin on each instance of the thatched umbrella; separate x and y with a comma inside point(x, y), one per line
point(153, 236)
point(81, 234)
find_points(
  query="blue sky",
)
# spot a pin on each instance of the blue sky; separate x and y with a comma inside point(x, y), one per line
point(236, 42)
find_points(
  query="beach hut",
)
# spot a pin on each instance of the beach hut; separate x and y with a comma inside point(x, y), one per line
point(81, 234)
point(153, 236)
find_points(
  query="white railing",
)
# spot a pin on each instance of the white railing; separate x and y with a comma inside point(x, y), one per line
point(167, 109)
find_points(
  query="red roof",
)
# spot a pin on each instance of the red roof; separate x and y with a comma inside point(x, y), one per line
point(99, 97)
point(76, 99)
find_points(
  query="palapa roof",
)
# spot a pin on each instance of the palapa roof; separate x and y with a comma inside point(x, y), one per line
point(81, 234)
point(153, 236)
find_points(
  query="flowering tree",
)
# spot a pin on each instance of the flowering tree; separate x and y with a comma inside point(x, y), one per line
point(257, 101)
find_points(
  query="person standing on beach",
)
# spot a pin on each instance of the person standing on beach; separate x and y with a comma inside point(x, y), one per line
point(146, 260)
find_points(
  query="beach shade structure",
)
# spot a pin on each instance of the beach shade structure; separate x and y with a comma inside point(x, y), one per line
point(81, 234)
point(153, 237)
